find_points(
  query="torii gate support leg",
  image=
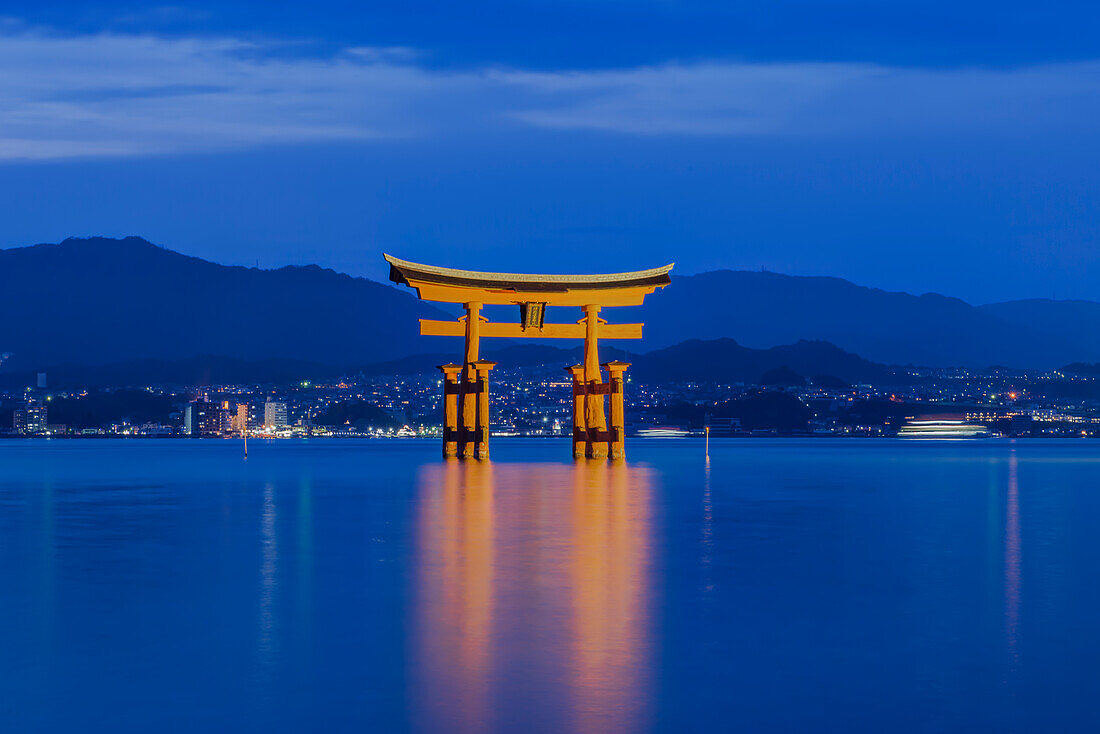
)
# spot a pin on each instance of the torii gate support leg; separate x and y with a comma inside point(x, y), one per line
point(450, 409)
point(580, 428)
point(483, 367)
point(617, 440)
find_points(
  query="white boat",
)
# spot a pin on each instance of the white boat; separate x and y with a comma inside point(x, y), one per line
point(663, 432)
point(943, 428)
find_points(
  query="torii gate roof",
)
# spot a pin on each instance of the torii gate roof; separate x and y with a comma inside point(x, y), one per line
point(434, 283)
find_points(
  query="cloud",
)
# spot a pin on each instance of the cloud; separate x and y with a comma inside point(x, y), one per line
point(813, 99)
point(701, 99)
point(111, 94)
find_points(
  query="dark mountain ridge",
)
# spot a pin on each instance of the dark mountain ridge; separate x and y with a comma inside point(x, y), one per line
point(101, 301)
point(98, 301)
point(763, 309)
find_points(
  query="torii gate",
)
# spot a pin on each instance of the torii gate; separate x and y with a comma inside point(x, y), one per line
point(466, 386)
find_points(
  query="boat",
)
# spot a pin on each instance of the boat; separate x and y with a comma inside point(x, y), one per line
point(663, 432)
point(933, 427)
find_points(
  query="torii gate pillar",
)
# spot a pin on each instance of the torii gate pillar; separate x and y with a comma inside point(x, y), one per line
point(594, 415)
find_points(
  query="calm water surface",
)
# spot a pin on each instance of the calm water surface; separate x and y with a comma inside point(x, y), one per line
point(328, 586)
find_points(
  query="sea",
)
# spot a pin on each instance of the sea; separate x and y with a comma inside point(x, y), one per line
point(328, 585)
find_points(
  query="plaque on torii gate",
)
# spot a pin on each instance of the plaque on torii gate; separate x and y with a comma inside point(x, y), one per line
point(466, 385)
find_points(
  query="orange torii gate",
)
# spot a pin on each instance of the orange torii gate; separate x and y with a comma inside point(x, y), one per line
point(466, 386)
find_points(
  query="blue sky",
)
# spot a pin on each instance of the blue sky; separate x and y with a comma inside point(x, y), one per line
point(946, 147)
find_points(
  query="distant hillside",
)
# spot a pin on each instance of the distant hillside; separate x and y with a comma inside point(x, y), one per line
point(761, 309)
point(1081, 369)
point(724, 360)
point(203, 370)
point(1075, 321)
point(719, 360)
point(517, 355)
point(102, 301)
point(99, 301)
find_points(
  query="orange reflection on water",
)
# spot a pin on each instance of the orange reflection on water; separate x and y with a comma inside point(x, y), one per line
point(532, 597)
point(610, 521)
point(455, 604)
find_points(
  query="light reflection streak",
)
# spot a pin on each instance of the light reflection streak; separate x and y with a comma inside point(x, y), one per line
point(455, 611)
point(610, 565)
point(1012, 555)
point(268, 580)
point(532, 597)
point(708, 530)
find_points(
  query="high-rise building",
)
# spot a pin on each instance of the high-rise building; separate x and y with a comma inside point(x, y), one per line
point(240, 419)
point(35, 412)
point(274, 414)
point(191, 418)
point(224, 419)
point(202, 419)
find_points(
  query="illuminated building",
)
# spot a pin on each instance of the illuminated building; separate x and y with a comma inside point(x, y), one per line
point(274, 414)
point(34, 414)
point(204, 419)
point(223, 420)
point(193, 417)
point(239, 421)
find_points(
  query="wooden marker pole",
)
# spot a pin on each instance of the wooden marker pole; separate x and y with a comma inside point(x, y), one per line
point(483, 367)
point(594, 412)
point(468, 441)
point(617, 441)
point(450, 408)
point(580, 429)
